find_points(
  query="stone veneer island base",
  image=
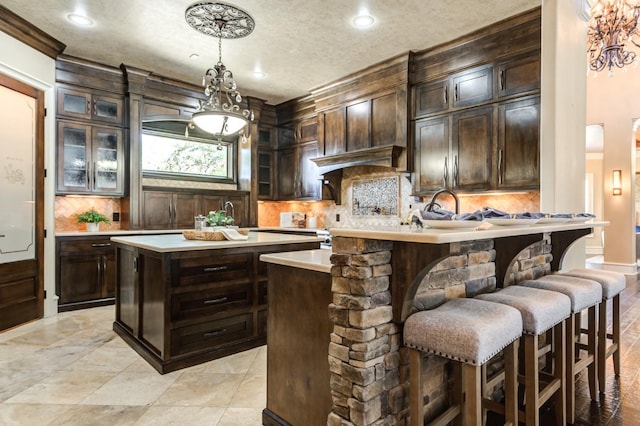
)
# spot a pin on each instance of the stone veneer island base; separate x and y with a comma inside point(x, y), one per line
point(377, 276)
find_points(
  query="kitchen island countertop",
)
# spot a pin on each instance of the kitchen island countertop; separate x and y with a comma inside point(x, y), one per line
point(440, 236)
point(177, 242)
point(313, 260)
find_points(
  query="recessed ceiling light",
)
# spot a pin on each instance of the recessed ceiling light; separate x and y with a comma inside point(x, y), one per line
point(80, 19)
point(363, 21)
point(259, 74)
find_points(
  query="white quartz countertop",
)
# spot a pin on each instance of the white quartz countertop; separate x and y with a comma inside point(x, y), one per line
point(313, 260)
point(177, 242)
point(117, 232)
point(440, 236)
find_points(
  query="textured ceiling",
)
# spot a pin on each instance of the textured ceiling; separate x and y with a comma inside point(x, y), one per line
point(298, 44)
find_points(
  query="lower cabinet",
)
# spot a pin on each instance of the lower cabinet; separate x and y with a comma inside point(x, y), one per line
point(85, 272)
point(183, 308)
point(163, 209)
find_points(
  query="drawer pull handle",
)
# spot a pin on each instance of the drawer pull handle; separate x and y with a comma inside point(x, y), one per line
point(214, 301)
point(101, 245)
point(215, 268)
point(214, 332)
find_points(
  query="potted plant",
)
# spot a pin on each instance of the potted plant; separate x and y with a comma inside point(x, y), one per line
point(219, 218)
point(92, 218)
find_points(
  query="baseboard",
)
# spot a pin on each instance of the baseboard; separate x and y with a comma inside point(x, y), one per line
point(623, 268)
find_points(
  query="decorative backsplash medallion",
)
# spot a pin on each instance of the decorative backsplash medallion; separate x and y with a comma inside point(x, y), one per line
point(375, 197)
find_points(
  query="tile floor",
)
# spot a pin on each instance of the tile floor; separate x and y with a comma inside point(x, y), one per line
point(72, 369)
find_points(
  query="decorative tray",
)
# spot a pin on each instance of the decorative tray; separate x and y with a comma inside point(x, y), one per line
point(192, 234)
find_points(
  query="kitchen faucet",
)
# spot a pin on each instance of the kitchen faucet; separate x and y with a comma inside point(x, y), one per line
point(429, 206)
point(229, 204)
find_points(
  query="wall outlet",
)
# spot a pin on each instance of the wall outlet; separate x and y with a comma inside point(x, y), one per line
point(337, 217)
point(116, 217)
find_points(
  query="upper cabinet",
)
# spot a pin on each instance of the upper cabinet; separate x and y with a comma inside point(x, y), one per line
point(89, 106)
point(90, 159)
point(91, 154)
point(476, 106)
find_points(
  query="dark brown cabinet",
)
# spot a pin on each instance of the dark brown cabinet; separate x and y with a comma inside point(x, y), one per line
point(518, 76)
point(265, 174)
point(75, 103)
point(183, 308)
point(168, 210)
point(472, 87)
point(432, 154)
point(472, 149)
point(455, 151)
point(519, 144)
point(85, 272)
point(431, 97)
point(299, 178)
point(90, 159)
point(176, 210)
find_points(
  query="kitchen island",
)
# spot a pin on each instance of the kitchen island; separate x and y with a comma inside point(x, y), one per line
point(181, 302)
point(378, 278)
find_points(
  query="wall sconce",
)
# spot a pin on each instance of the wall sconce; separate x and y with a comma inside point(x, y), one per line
point(617, 182)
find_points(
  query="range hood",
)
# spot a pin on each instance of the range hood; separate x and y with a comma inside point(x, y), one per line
point(387, 156)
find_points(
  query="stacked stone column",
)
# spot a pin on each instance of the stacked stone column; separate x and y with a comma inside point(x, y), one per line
point(363, 353)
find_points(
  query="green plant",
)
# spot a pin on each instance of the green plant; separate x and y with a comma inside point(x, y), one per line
point(219, 218)
point(91, 216)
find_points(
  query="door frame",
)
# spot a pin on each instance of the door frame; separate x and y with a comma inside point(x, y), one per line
point(39, 97)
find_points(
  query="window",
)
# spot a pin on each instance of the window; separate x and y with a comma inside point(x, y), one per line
point(193, 158)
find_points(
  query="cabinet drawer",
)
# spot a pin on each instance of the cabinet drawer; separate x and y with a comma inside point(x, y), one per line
point(215, 269)
point(98, 245)
point(205, 303)
point(210, 334)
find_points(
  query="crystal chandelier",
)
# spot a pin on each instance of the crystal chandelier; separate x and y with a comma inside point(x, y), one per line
point(220, 114)
point(612, 23)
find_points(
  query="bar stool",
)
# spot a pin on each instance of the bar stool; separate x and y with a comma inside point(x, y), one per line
point(470, 332)
point(613, 283)
point(541, 310)
point(584, 294)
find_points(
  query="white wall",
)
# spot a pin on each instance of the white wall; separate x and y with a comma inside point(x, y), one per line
point(25, 64)
point(613, 103)
point(562, 124)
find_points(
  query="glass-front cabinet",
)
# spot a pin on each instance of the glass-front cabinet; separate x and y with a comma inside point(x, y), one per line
point(89, 106)
point(90, 159)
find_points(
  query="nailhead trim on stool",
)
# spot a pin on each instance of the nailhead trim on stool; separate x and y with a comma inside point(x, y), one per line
point(613, 283)
point(541, 310)
point(471, 332)
point(584, 294)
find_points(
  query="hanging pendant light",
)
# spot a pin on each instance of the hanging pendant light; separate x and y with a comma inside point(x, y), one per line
point(220, 114)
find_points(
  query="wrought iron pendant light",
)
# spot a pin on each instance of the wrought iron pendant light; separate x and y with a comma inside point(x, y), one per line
point(220, 114)
point(613, 23)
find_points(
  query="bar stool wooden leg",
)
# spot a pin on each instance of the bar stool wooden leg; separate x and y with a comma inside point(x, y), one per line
point(602, 345)
point(570, 368)
point(473, 396)
point(559, 367)
point(531, 379)
point(416, 404)
point(511, 384)
point(616, 334)
point(592, 352)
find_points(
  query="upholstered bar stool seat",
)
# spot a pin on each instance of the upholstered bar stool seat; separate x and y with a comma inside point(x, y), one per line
point(613, 283)
point(471, 332)
point(541, 310)
point(584, 294)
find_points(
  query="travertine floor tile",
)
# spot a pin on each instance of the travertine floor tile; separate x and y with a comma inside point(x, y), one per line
point(251, 393)
point(179, 416)
point(241, 417)
point(12, 382)
point(234, 364)
point(100, 415)
point(131, 388)
point(201, 389)
point(31, 414)
point(105, 359)
point(63, 387)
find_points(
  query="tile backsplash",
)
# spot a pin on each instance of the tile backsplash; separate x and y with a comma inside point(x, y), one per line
point(67, 207)
point(330, 215)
